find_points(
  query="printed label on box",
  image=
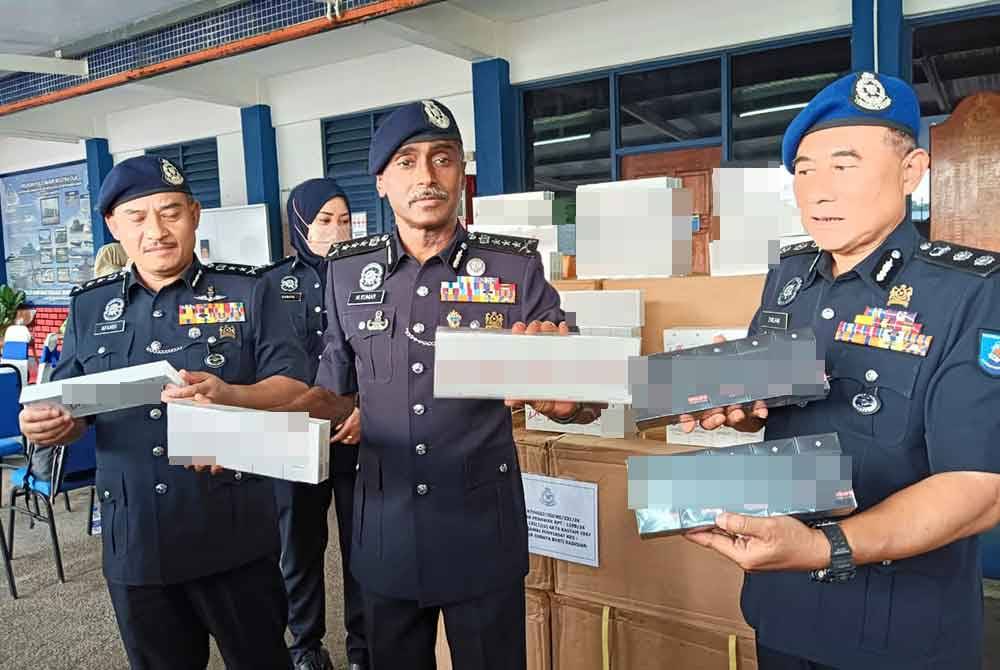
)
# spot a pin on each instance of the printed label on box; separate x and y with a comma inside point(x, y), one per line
point(562, 518)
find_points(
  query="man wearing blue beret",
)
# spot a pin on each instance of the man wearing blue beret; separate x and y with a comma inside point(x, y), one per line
point(439, 518)
point(188, 554)
point(910, 333)
point(318, 215)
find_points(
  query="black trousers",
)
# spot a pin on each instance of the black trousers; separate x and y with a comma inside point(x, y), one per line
point(302, 519)
point(770, 659)
point(485, 633)
point(167, 627)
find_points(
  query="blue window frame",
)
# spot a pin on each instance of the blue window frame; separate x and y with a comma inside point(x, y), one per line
point(701, 105)
point(346, 140)
point(199, 160)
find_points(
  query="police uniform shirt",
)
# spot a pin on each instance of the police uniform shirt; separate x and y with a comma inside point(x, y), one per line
point(299, 292)
point(164, 523)
point(902, 417)
point(439, 506)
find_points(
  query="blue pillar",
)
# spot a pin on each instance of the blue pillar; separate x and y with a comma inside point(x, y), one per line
point(260, 153)
point(888, 14)
point(99, 164)
point(497, 147)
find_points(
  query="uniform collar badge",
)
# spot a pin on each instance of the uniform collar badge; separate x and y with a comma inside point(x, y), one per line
point(210, 295)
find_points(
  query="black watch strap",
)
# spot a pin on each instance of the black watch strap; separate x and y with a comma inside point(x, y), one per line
point(841, 568)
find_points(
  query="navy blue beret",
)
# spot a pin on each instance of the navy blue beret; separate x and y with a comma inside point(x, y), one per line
point(416, 122)
point(858, 99)
point(138, 177)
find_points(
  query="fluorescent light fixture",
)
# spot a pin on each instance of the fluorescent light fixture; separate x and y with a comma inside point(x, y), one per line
point(557, 140)
point(769, 110)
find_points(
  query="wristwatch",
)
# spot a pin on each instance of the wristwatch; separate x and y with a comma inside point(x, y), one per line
point(842, 568)
point(572, 417)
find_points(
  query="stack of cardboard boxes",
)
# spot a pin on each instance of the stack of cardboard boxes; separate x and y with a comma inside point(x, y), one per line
point(652, 603)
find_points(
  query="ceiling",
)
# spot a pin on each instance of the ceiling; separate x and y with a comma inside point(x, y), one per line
point(511, 11)
point(39, 27)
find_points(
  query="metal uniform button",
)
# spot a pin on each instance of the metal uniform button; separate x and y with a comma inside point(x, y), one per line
point(317, 309)
point(421, 449)
point(316, 285)
point(887, 563)
point(211, 339)
point(319, 332)
point(238, 476)
point(418, 328)
point(101, 350)
point(155, 413)
point(157, 313)
point(157, 450)
point(107, 494)
point(871, 376)
point(417, 368)
point(422, 291)
point(827, 313)
point(421, 489)
point(503, 467)
point(418, 409)
point(160, 488)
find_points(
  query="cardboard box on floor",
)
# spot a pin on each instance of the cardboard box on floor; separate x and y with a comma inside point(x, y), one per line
point(533, 455)
point(577, 284)
point(538, 633)
point(692, 301)
point(666, 576)
point(639, 641)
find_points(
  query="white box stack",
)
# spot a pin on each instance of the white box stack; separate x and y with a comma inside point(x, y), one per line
point(522, 215)
point(656, 213)
point(615, 313)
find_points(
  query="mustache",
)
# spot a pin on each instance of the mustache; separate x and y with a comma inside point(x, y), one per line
point(429, 193)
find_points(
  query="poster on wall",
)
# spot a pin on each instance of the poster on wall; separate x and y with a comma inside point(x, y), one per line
point(47, 237)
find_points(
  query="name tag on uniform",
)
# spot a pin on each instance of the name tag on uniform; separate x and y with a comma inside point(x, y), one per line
point(366, 298)
point(773, 320)
point(212, 312)
point(292, 297)
point(106, 327)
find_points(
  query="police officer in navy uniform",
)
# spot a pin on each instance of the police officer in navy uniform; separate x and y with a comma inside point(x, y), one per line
point(439, 507)
point(318, 215)
point(188, 553)
point(910, 333)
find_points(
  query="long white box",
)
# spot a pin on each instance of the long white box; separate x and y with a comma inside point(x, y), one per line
point(616, 421)
point(479, 363)
point(605, 309)
point(633, 228)
point(109, 391)
point(284, 445)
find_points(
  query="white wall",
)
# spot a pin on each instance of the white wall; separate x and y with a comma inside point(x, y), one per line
point(911, 7)
point(629, 31)
point(232, 170)
point(18, 154)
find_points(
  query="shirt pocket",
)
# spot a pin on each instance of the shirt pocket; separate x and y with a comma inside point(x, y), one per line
point(105, 352)
point(370, 332)
point(874, 389)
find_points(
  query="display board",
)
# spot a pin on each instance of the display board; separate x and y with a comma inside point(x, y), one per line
point(47, 234)
point(234, 235)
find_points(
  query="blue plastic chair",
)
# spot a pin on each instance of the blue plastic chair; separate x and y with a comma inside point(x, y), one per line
point(74, 467)
point(11, 444)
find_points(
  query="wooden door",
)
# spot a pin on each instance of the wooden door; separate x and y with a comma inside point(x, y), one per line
point(694, 167)
point(965, 174)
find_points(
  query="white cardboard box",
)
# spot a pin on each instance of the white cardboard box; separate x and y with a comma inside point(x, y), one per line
point(283, 445)
point(513, 209)
point(606, 309)
point(616, 421)
point(109, 391)
point(480, 363)
point(656, 214)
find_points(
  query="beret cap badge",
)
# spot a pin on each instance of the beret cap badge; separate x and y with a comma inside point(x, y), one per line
point(869, 93)
point(171, 174)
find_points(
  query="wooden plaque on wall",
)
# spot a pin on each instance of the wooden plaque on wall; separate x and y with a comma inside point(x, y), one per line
point(965, 174)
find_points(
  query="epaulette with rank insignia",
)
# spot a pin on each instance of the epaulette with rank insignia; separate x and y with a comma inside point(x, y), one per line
point(809, 247)
point(232, 269)
point(97, 281)
point(523, 246)
point(261, 269)
point(974, 261)
point(362, 245)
